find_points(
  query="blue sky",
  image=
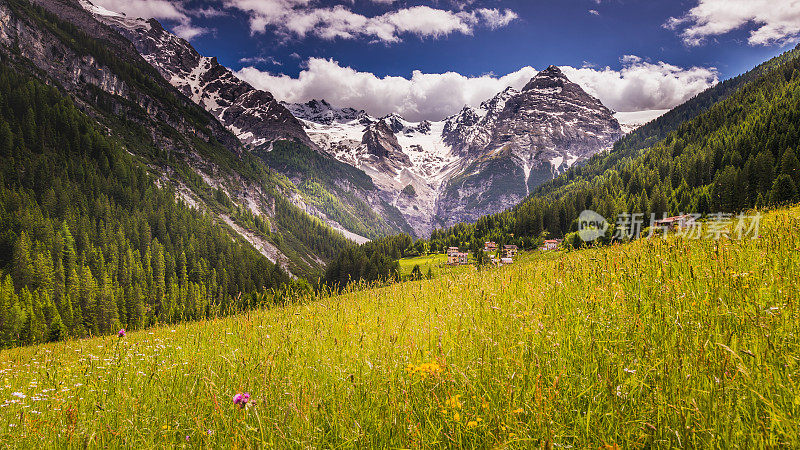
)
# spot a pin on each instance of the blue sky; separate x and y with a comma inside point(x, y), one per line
point(274, 44)
point(547, 32)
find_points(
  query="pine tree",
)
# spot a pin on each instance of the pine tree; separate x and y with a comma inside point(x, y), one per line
point(57, 331)
point(791, 166)
point(783, 190)
point(22, 264)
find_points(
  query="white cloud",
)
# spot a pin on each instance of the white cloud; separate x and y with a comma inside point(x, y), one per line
point(638, 86)
point(494, 18)
point(260, 60)
point(188, 31)
point(161, 10)
point(594, 12)
point(422, 96)
point(770, 21)
point(300, 18)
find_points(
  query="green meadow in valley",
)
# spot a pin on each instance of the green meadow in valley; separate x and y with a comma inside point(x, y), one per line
point(656, 343)
point(435, 262)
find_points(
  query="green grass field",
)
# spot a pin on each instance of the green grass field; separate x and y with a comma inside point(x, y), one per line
point(435, 262)
point(652, 344)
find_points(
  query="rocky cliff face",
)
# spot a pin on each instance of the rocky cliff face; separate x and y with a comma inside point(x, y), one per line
point(86, 74)
point(381, 143)
point(254, 116)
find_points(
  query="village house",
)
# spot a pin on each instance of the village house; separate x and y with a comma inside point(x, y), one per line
point(510, 251)
point(551, 244)
point(490, 247)
point(457, 258)
point(675, 223)
point(506, 261)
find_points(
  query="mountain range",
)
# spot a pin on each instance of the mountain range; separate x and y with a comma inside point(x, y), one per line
point(479, 161)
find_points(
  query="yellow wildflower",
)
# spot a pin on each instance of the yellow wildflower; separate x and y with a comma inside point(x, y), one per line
point(424, 369)
point(454, 402)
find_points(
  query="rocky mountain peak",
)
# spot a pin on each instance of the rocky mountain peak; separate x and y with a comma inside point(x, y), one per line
point(253, 115)
point(549, 79)
point(395, 122)
point(380, 140)
point(320, 111)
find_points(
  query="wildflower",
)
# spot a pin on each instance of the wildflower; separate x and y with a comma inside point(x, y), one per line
point(241, 400)
point(424, 369)
point(454, 402)
point(518, 411)
point(457, 417)
point(472, 424)
point(209, 432)
point(187, 438)
point(18, 394)
point(121, 333)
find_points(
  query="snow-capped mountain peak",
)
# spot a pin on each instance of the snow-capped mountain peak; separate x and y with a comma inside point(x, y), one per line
point(320, 111)
point(527, 136)
point(254, 116)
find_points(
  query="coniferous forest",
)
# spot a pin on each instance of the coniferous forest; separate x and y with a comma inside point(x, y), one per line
point(89, 243)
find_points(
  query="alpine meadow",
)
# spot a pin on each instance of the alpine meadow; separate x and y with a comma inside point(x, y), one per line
point(399, 224)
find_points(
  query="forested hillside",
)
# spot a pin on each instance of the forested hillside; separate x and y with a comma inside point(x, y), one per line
point(89, 244)
point(373, 261)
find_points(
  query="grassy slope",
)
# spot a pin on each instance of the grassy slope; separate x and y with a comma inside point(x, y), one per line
point(433, 262)
point(664, 343)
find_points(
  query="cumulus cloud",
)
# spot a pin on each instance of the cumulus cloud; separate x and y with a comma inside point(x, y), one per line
point(300, 18)
point(422, 96)
point(638, 86)
point(162, 10)
point(641, 85)
point(770, 21)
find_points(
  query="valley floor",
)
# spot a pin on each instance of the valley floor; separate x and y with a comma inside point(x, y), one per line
point(658, 343)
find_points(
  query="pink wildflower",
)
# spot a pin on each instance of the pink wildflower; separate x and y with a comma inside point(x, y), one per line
point(241, 400)
point(121, 333)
